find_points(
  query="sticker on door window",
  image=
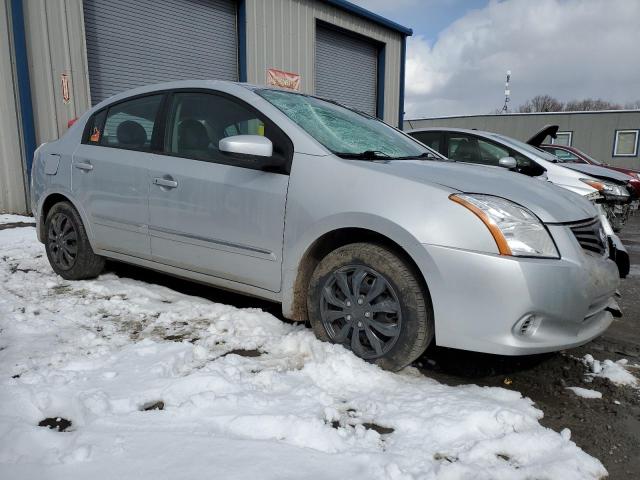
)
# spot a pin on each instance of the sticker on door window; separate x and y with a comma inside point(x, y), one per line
point(95, 135)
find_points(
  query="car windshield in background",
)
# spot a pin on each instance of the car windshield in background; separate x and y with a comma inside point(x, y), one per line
point(528, 148)
point(346, 133)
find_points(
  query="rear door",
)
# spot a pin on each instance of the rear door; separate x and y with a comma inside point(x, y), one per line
point(110, 174)
point(212, 212)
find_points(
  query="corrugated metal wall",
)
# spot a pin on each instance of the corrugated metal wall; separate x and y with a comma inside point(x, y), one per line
point(56, 46)
point(183, 39)
point(281, 34)
point(593, 132)
point(346, 69)
point(12, 186)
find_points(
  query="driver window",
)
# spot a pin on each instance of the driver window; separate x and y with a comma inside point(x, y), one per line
point(198, 121)
point(464, 148)
point(491, 153)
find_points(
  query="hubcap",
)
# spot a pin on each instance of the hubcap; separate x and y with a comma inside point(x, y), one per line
point(62, 241)
point(359, 309)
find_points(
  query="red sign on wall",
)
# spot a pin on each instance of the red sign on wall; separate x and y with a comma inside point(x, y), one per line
point(66, 91)
point(280, 78)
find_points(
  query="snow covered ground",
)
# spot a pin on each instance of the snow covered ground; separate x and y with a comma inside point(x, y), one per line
point(245, 396)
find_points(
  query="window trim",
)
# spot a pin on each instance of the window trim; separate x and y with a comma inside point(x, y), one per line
point(565, 132)
point(615, 142)
point(240, 161)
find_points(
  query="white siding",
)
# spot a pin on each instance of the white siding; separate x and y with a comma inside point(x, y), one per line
point(12, 187)
point(281, 34)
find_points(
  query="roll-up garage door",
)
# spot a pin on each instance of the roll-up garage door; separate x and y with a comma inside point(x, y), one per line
point(133, 43)
point(346, 69)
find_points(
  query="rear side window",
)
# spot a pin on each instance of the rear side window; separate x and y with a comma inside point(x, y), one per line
point(430, 139)
point(130, 124)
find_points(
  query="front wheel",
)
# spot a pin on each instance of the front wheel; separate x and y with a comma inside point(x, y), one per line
point(367, 298)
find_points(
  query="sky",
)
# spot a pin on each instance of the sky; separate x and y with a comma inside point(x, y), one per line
point(460, 51)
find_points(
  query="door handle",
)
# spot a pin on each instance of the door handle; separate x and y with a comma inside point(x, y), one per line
point(84, 166)
point(165, 182)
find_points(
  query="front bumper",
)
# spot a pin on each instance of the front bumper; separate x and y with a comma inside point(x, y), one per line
point(484, 302)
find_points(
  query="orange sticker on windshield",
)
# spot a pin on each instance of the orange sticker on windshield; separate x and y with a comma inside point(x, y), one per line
point(95, 136)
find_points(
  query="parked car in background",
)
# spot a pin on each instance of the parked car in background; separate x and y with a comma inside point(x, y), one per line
point(573, 155)
point(496, 150)
point(381, 243)
point(620, 196)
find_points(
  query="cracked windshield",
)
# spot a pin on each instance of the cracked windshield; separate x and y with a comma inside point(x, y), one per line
point(343, 131)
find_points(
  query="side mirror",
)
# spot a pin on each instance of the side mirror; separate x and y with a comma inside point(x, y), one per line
point(254, 145)
point(508, 162)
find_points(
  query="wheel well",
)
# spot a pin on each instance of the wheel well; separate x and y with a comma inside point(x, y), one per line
point(329, 242)
point(49, 202)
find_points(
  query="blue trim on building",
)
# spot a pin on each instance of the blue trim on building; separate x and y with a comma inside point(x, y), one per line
point(24, 85)
point(363, 13)
point(242, 40)
point(403, 60)
point(380, 82)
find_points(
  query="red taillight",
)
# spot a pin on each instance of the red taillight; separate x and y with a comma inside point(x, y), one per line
point(71, 122)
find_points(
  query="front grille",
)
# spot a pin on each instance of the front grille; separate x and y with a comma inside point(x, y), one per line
point(591, 236)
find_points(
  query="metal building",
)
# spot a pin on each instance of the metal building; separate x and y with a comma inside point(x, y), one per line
point(611, 136)
point(59, 57)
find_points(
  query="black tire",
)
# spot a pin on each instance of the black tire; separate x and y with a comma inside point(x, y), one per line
point(67, 245)
point(408, 330)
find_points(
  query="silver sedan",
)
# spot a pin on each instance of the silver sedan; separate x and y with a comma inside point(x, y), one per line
point(381, 243)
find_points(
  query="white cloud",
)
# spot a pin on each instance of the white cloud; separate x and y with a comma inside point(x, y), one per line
point(569, 49)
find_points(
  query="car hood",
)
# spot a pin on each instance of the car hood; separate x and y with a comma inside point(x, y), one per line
point(598, 172)
point(550, 203)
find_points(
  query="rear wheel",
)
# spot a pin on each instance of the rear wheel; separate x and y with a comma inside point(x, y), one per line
point(367, 298)
point(67, 245)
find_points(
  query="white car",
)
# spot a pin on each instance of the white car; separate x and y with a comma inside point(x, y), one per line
point(496, 150)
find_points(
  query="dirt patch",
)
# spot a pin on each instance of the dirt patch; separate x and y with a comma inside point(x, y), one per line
point(156, 405)
point(56, 423)
point(243, 353)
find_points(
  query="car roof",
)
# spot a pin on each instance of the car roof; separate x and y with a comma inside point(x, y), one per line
point(472, 131)
point(223, 85)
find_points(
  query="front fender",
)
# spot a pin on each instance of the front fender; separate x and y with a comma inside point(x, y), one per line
point(297, 248)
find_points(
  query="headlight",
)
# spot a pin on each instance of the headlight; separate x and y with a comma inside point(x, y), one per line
point(609, 191)
point(516, 230)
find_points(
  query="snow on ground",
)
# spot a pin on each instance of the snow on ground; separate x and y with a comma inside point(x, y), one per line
point(10, 218)
point(616, 372)
point(585, 392)
point(634, 271)
point(98, 352)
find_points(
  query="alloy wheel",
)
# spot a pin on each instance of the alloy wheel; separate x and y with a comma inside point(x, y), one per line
point(62, 240)
point(360, 309)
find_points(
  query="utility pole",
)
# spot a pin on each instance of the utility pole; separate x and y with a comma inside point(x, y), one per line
point(507, 93)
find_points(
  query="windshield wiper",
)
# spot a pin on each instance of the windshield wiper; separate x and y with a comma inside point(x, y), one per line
point(366, 155)
point(428, 155)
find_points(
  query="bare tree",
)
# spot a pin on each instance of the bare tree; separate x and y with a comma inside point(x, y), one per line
point(591, 104)
point(632, 105)
point(541, 103)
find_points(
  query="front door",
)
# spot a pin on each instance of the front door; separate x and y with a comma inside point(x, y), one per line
point(211, 212)
point(110, 174)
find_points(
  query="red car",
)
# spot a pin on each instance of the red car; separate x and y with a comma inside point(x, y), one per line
point(570, 154)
